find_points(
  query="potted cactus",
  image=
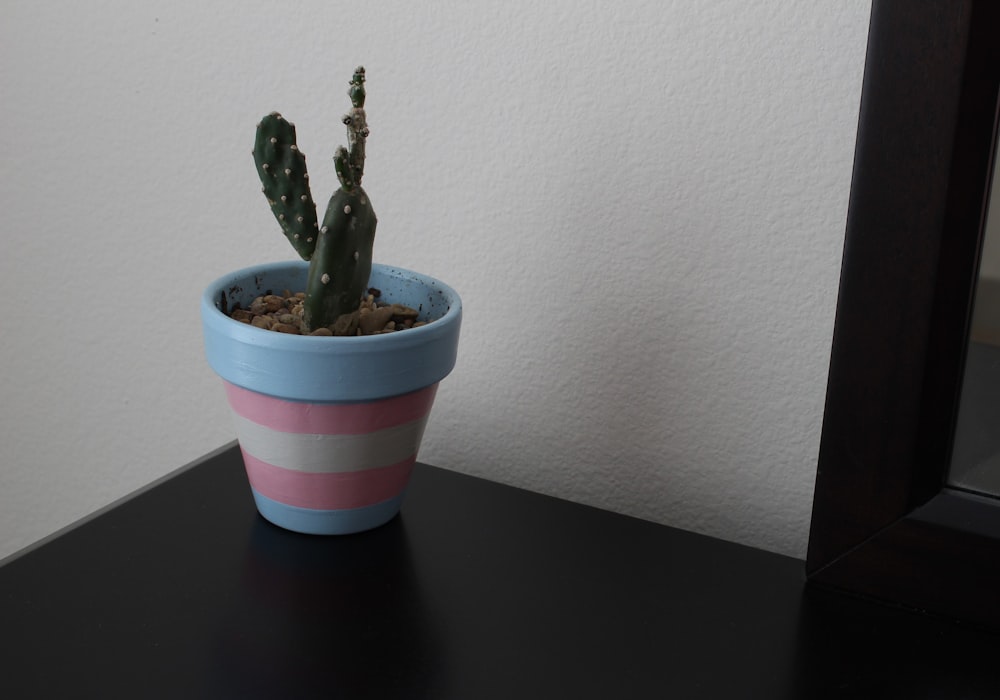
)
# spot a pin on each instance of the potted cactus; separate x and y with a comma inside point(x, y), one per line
point(331, 363)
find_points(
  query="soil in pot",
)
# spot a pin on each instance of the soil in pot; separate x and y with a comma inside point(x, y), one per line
point(283, 313)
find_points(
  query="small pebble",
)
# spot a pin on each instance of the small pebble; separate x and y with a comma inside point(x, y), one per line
point(375, 320)
point(273, 302)
point(346, 324)
point(403, 312)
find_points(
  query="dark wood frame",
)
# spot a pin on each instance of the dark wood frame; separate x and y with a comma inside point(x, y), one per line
point(885, 522)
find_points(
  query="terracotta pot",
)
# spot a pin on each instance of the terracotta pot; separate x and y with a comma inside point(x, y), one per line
point(330, 427)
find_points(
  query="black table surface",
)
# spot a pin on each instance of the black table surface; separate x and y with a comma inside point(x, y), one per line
point(477, 590)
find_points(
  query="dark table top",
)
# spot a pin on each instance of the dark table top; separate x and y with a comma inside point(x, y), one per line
point(477, 590)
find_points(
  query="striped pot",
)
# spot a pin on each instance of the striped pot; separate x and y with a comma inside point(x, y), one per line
point(330, 427)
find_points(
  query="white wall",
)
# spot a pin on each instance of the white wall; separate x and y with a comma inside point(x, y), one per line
point(642, 204)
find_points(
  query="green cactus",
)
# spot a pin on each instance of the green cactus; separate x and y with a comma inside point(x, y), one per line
point(340, 251)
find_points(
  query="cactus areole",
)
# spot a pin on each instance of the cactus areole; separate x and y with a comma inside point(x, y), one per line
point(339, 250)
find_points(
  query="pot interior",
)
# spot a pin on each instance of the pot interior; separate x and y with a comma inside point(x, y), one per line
point(395, 285)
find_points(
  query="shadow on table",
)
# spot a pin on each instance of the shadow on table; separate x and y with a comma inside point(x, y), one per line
point(341, 616)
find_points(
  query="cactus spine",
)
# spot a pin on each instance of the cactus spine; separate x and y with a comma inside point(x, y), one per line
point(340, 251)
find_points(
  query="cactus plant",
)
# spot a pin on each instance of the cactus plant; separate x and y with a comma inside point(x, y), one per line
point(340, 250)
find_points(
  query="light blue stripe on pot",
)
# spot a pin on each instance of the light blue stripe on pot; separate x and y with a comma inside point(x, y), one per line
point(327, 522)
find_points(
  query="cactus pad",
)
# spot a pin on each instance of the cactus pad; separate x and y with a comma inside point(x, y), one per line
point(282, 170)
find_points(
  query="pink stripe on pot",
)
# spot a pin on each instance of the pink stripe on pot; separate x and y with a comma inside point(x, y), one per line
point(328, 491)
point(330, 419)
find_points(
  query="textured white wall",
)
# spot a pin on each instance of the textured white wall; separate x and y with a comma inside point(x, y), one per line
point(642, 204)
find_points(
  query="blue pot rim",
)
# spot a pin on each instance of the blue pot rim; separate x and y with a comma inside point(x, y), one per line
point(331, 369)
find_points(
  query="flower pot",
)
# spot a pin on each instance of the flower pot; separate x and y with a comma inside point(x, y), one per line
point(330, 427)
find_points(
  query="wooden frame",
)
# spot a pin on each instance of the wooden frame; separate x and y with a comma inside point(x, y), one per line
point(885, 523)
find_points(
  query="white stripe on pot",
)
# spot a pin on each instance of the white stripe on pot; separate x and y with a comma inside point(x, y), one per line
point(326, 454)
